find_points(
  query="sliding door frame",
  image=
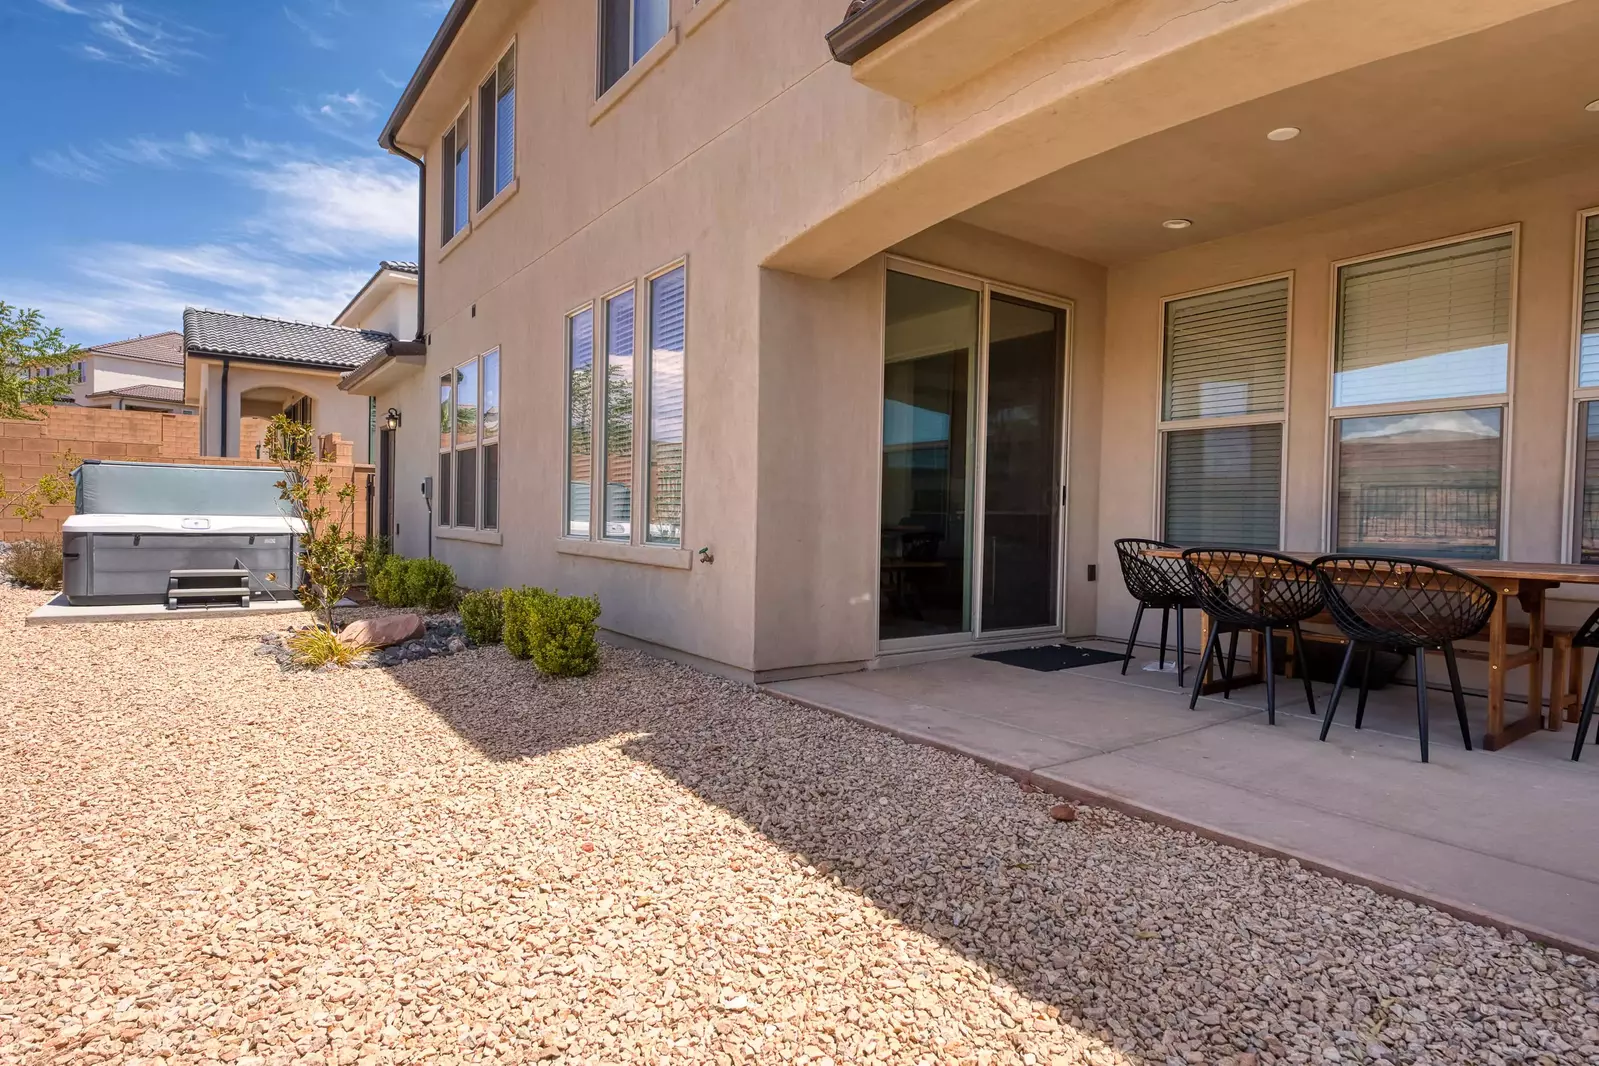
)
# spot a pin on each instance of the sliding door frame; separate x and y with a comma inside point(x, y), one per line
point(978, 422)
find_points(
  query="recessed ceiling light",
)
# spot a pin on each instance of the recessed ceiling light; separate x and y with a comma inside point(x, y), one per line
point(1283, 133)
point(1177, 223)
point(1592, 105)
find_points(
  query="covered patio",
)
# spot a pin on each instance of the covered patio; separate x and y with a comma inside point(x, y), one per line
point(1504, 838)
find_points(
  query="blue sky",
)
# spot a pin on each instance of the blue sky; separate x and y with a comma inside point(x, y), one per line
point(220, 153)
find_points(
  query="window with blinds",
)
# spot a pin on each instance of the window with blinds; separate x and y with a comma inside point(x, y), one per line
point(1223, 485)
point(496, 115)
point(579, 422)
point(1226, 353)
point(663, 488)
point(1225, 366)
point(1432, 324)
point(1588, 339)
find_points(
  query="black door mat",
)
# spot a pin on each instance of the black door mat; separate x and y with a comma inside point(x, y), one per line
point(1051, 657)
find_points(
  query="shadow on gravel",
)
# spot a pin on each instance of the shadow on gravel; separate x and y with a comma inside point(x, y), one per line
point(1134, 934)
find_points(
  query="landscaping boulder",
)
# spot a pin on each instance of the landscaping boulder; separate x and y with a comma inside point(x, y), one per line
point(383, 631)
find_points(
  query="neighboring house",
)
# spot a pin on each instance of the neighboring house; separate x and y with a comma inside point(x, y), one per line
point(245, 369)
point(242, 370)
point(905, 318)
point(139, 374)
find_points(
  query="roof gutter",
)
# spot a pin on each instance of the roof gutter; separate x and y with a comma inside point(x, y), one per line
point(442, 40)
point(874, 25)
point(298, 364)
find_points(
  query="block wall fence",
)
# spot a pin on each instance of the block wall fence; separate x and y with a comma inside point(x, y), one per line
point(31, 449)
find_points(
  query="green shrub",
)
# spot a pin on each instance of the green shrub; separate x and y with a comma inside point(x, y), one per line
point(563, 634)
point(482, 616)
point(430, 585)
point(516, 615)
point(557, 632)
point(385, 581)
point(315, 646)
point(33, 564)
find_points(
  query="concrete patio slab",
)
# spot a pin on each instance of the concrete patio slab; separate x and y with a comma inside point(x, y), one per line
point(59, 612)
point(1503, 838)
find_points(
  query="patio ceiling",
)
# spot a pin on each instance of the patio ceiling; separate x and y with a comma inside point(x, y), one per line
point(1509, 93)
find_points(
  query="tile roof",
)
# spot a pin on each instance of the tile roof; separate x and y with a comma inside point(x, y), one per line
point(156, 347)
point(164, 393)
point(401, 265)
point(281, 340)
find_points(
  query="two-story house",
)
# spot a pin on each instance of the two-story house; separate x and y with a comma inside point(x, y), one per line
point(139, 374)
point(808, 343)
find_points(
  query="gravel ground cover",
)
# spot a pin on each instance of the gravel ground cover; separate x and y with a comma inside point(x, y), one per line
point(203, 858)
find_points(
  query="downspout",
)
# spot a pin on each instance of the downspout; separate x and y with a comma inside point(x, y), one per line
point(421, 235)
point(222, 436)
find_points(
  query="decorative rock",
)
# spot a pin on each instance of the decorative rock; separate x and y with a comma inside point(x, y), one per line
point(382, 631)
point(1063, 812)
point(456, 644)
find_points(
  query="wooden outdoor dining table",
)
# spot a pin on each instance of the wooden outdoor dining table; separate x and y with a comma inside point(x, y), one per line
point(1526, 583)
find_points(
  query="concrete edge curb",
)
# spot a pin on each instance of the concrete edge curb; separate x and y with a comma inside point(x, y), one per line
point(1097, 798)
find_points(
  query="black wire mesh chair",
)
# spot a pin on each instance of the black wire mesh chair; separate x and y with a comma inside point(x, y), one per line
point(1586, 637)
point(1241, 589)
point(1160, 583)
point(1411, 606)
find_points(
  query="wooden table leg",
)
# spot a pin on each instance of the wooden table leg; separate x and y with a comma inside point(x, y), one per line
point(1501, 661)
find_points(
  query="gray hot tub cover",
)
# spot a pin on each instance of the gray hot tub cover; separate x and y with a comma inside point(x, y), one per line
point(107, 486)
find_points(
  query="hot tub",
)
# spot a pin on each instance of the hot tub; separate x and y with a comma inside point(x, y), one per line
point(130, 558)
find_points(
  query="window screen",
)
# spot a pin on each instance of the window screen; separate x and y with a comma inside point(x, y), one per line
point(1223, 486)
point(619, 416)
point(1227, 352)
point(579, 421)
point(1420, 484)
point(1425, 325)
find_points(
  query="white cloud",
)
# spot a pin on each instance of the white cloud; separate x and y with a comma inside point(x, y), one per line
point(310, 239)
point(314, 37)
point(128, 36)
point(74, 164)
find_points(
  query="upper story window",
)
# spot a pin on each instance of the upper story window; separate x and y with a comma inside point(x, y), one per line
point(1225, 374)
point(496, 117)
point(628, 29)
point(456, 187)
point(1421, 391)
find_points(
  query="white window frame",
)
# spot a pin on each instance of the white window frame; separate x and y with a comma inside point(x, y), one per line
point(462, 224)
point(1571, 539)
point(1503, 400)
point(638, 522)
point(477, 444)
point(1165, 426)
point(486, 164)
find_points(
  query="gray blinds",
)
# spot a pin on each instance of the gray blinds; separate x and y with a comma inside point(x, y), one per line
point(1425, 325)
point(1226, 352)
point(664, 485)
point(1588, 372)
point(1223, 486)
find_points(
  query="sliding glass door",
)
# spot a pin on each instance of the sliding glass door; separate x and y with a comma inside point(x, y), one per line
point(973, 398)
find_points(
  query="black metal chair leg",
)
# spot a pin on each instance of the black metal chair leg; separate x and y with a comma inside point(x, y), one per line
point(1304, 666)
point(1421, 699)
point(1459, 693)
point(1365, 686)
point(1212, 642)
point(1181, 650)
point(1138, 620)
point(1338, 690)
point(1271, 682)
point(1165, 623)
point(1232, 665)
point(1588, 702)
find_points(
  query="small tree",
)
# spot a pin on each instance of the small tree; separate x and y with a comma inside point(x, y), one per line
point(329, 561)
point(52, 488)
point(35, 363)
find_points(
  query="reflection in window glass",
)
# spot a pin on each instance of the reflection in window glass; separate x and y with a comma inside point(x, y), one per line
point(1588, 482)
point(579, 421)
point(446, 422)
point(491, 395)
point(1421, 484)
point(664, 485)
point(1425, 325)
point(619, 416)
point(466, 403)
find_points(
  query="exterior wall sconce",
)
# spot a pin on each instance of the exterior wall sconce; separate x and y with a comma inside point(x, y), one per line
point(391, 421)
